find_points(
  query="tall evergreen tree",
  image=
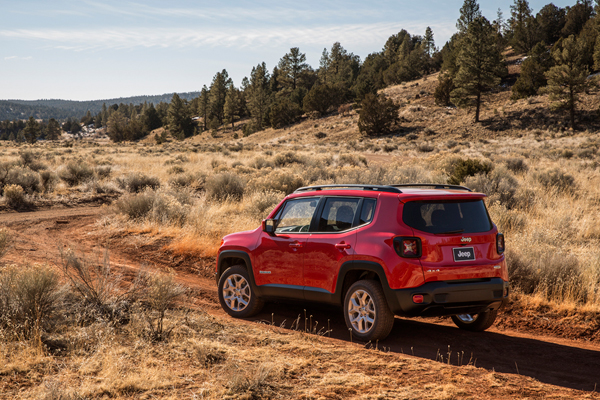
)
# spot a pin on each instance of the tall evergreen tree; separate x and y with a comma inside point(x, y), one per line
point(116, 126)
point(524, 27)
point(291, 66)
point(32, 130)
point(428, 42)
point(480, 65)
point(533, 70)
point(577, 16)
point(568, 78)
point(53, 130)
point(180, 122)
point(468, 13)
point(259, 95)
point(218, 91)
point(204, 106)
point(551, 20)
point(232, 105)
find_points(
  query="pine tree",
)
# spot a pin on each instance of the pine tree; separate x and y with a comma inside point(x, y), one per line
point(577, 16)
point(179, 117)
point(551, 20)
point(568, 78)
point(52, 130)
point(232, 105)
point(468, 13)
point(291, 66)
point(524, 27)
point(259, 96)
point(533, 70)
point(480, 65)
point(429, 42)
point(116, 126)
point(32, 130)
point(377, 115)
point(218, 91)
point(204, 106)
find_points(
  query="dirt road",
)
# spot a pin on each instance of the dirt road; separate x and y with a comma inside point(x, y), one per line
point(554, 360)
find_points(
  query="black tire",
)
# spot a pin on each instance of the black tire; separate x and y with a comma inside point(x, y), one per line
point(480, 322)
point(236, 294)
point(366, 311)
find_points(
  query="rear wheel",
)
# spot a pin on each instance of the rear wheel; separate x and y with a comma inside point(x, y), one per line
point(236, 295)
point(366, 311)
point(475, 322)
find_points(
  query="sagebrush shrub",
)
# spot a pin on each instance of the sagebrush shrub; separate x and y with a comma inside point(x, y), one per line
point(14, 196)
point(28, 180)
point(499, 185)
point(290, 157)
point(5, 241)
point(48, 180)
point(516, 165)
point(259, 204)
point(75, 172)
point(279, 181)
point(224, 186)
point(103, 171)
point(557, 179)
point(138, 182)
point(136, 206)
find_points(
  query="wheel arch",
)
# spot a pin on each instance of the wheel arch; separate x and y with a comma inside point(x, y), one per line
point(229, 258)
point(353, 271)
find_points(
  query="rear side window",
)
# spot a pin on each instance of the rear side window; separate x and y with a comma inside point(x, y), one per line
point(447, 216)
point(368, 211)
point(338, 214)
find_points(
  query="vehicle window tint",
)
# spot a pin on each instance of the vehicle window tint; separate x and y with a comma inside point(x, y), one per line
point(368, 210)
point(447, 217)
point(338, 214)
point(296, 215)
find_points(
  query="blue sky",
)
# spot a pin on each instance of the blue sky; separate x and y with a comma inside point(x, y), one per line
point(98, 49)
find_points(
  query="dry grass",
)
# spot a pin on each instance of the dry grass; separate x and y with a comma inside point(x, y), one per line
point(210, 358)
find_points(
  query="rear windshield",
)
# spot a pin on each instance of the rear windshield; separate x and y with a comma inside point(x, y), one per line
point(447, 216)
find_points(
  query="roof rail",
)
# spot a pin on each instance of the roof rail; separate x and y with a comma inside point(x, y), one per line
point(432, 185)
point(377, 188)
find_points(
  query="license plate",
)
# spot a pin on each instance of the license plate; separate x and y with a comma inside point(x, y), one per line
point(464, 254)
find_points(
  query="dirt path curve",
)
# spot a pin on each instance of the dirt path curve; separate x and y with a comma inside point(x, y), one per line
point(558, 361)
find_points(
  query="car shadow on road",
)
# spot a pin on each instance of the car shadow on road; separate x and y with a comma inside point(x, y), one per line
point(556, 364)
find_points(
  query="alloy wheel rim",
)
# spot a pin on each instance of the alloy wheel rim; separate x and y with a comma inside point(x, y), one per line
point(236, 292)
point(361, 311)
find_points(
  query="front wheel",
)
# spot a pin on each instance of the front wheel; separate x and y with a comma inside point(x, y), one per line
point(475, 322)
point(236, 295)
point(366, 311)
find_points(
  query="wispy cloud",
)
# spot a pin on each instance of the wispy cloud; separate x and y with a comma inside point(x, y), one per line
point(105, 38)
point(18, 58)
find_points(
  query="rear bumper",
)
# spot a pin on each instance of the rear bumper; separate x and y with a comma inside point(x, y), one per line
point(450, 298)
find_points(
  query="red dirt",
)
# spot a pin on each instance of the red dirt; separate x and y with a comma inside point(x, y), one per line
point(558, 348)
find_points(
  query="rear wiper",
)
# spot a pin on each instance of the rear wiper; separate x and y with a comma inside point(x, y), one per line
point(451, 232)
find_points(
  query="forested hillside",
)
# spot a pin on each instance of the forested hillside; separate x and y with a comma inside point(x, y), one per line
point(64, 109)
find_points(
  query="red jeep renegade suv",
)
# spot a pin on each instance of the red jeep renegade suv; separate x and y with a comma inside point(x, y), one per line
point(378, 251)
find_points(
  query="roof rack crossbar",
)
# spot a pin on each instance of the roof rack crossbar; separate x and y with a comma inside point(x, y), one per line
point(379, 188)
point(432, 185)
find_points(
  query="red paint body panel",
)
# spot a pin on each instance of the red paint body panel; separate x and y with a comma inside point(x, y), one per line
point(323, 259)
point(279, 259)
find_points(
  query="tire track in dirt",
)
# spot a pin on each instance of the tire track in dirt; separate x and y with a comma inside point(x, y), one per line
point(557, 361)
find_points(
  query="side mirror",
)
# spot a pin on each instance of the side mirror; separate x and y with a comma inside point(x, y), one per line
point(268, 226)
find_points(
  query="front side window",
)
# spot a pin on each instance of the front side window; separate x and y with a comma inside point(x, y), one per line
point(439, 217)
point(296, 215)
point(338, 214)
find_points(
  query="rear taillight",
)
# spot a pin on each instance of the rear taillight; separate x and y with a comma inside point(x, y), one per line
point(408, 247)
point(500, 243)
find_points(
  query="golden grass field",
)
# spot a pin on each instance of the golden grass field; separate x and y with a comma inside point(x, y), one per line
point(543, 193)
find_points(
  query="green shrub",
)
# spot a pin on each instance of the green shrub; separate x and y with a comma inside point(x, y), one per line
point(75, 172)
point(378, 115)
point(499, 185)
point(279, 181)
point(459, 169)
point(224, 186)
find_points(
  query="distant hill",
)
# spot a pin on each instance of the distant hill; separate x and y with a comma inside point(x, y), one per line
point(63, 109)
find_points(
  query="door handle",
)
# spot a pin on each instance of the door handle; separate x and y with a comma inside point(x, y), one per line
point(296, 245)
point(342, 246)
